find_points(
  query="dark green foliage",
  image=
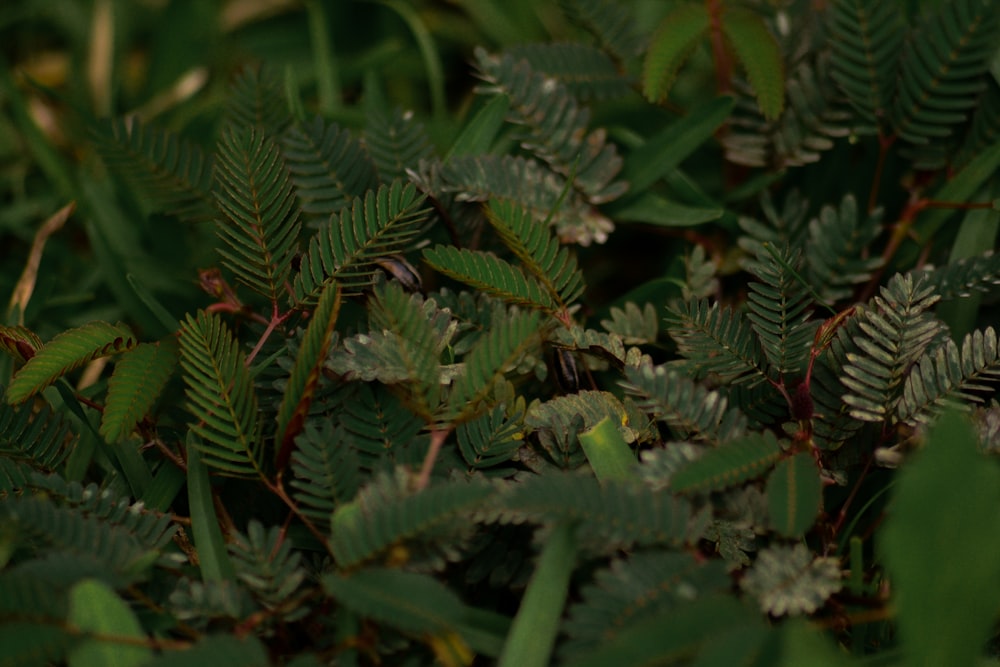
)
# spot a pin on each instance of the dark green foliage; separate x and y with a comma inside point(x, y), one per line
point(220, 396)
point(329, 167)
point(261, 223)
point(30, 442)
point(615, 356)
point(173, 173)
point(380, 224)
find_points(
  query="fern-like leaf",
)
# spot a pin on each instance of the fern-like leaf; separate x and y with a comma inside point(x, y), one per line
point(613, 515)
point(778, 311)
point(261, 224)
point(610, 22)
point(265, 562)
point(98, 547)
point(718, 341)
point(382, 429)
point(220, 396)
point(487, 272)
point(66, 352)
point(538, 250)
point(866, 37)
point(383, 223)
point(949, 374)
point(490, 439)
point(30, 441)
point(556, 126)
point(257, 100)
point(327, 471)
point(757, 50)
point(396, 142)
point(729, 464)
point(837, 256)
point(679, 32)
point(985, 129)
point(689, 409)
point(305, 373)
point(539, 190)
point(962, 277)
point(387, 513)
point(635, 326)
point(138, 378)
point(894, 332)
point(494, 355)
point(173, 174)
point(329, 167)
point(587, 72)
point(630, 590)
point(941, 69)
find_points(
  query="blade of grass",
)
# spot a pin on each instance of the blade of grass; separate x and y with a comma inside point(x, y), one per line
point(212, 557)
point(608, 453)
point(533, 633)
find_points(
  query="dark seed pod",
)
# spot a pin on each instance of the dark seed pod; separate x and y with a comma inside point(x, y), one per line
point(397, 267)
point(566, 370)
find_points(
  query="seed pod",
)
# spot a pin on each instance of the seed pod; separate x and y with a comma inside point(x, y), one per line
point(397, 267)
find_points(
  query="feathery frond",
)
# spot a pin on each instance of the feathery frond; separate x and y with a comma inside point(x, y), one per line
point(488, 273)
point(962, 277)
point(326, 469)
point(556, 126)
point(613, 515)
point(396, 142)
point(942, 68)
point(679, 32)
point(220, 397)
point(490, 439)
point(31, 441)
point(717, 341)
point(261, 224)
point(895, 330)
point(837, 253)
point(139, 376)
point(387, 513)
point(382, 223)
point(778, 311)
point(174, 174)
point(265, 562)
point(757, 51)
point(611, 23)
point(257, 100)
point(382, 429)
point(539, 252)
point(866, 38)
point(690, 410)
point(949, 374)
point(66, 352)
point(496, 352)
point(587, 72)
point(728, 464)
point(329, 167)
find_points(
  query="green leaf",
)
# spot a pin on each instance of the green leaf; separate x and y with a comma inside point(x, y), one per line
point(217, 651)
point(790, 579)
point(95, 608)
point(494, 355)
point(728, 464)
point(382, 223)
point(794, 495)
point(608, 453)
point(413, 603)
point(536, 624)
point(679, 32)
point(220, 396)
point(652, 209)
point(306, 372)
point(478, 135)
point(260, 227)
point(758, 51)
point(540, 252)
point(66, 352)
point(213, 560)
point(138, 378)
point(664, 151)
point(943, 522)
point(487, 272)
